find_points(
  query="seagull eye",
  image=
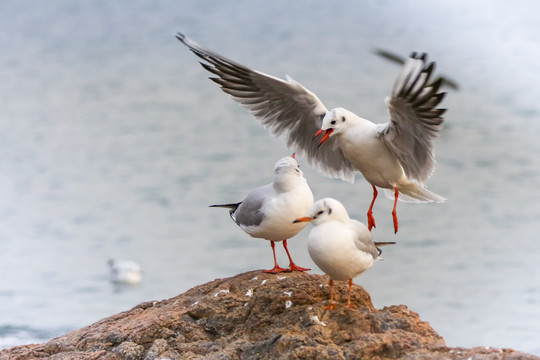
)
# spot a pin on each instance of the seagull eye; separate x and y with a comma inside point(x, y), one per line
point(320, 213)
point(333, 122)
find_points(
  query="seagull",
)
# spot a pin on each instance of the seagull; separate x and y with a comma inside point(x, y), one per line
point(340, 246)
point(396, 156)
point(124, 272)
point(268, 211)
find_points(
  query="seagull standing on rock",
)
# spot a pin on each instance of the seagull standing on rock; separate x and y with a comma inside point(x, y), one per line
point(268, 211)
point(396, 156)
point(340, 246)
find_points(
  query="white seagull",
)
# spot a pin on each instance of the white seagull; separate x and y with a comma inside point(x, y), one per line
point(340, 246)
point(268, 211)
point(396, 156)
point(124, 271)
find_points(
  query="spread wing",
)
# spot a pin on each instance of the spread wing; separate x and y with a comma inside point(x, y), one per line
point(415, 118)
point(284, 107)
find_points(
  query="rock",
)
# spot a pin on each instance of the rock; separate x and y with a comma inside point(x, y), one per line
point(258, 316)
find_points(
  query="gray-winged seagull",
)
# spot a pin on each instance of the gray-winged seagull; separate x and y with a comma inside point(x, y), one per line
point(340, 246)
point(268, 212)
point(396, 156)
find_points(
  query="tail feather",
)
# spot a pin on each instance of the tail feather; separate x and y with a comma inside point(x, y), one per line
point(382, 243)
point(232, 208)
point(414, 193)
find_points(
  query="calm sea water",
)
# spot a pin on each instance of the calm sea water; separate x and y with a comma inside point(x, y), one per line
point(113, 143)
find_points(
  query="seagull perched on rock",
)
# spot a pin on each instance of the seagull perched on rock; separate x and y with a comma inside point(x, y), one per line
point(340, 246)
point(268, 211)
point(396, 156)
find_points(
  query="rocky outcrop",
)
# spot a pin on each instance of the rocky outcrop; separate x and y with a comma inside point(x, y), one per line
point(258, 316)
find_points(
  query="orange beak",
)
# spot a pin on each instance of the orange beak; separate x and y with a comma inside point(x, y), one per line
point(302, 219)
point(293, 155)
point(325, 137)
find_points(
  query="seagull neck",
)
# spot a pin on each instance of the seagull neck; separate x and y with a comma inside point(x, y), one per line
point(285, 182)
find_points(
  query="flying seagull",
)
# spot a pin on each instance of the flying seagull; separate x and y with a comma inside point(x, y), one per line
point(396, 156)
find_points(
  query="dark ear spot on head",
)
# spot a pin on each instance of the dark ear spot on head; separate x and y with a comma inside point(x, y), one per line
point(329, 211)
point(343, 119)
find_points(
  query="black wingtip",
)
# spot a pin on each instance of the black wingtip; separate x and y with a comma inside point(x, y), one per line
point(180, 36)
point(390, 56)
point(419, 56)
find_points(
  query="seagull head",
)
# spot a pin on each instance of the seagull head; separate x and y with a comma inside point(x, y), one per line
point(334, 122)
point(287, 165)
point(287, 174)
point(324, 210)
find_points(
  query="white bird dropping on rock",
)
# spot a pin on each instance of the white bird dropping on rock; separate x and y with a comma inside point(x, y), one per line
point(340, 246)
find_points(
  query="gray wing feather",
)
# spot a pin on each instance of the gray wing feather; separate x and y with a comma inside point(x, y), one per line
point(279, 105)
point(364, 241)
point(250, 213)
point(415, 120)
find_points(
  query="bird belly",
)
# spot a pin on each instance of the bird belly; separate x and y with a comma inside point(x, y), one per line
point(373, 159)
point(335, 253)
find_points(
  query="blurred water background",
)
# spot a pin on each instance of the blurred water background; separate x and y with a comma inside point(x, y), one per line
point(113, 143)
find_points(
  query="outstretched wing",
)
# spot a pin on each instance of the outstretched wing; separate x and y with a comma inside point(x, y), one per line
point(415, 118)
point(279, 105)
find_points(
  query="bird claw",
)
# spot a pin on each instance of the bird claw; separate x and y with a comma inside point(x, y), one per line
point(371, 221)
point(277, 270)
point(394, 216)
point(351, 306)
point(330, 307)
point(294, 267)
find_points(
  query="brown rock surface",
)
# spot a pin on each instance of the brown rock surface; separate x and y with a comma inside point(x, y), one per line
point(258, 316)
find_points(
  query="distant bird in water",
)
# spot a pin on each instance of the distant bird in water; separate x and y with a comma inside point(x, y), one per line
point(340, 246)
point(446, 81)
point(268, 211)
point(396, 156)
point(124, 272)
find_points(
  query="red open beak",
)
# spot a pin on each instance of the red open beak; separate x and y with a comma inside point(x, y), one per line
point(302, 219)
point(326, 135)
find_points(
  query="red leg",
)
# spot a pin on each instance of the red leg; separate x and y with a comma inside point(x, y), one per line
point(292, 265)
point(394, 215)
point(370, 218)
point(332, 306)
point(349, 305)
point(276, 268)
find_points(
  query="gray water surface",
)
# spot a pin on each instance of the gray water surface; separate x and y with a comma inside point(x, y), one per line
point(113, 143)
